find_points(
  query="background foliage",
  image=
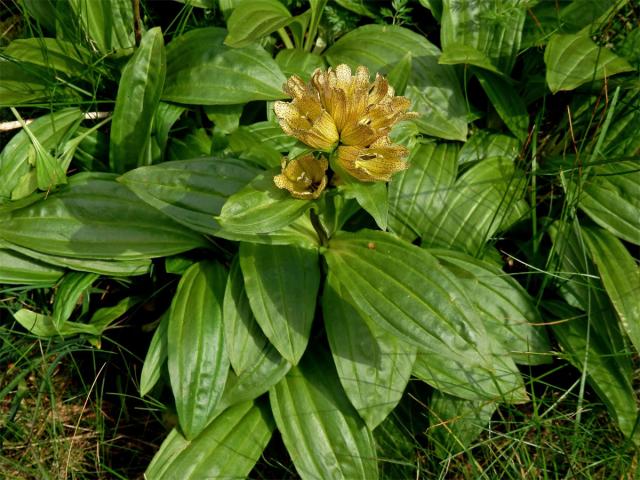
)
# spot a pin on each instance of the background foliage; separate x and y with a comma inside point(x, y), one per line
point(478, 314)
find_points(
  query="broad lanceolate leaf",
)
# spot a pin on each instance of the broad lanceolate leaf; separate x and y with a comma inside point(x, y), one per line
point(197, 357)
point(70, 290)
point(494, 29)
point(282, 283)
point(228, 448)
point(190, 191)
point(156, 357)
point(114, 268)
point(594, 340)
point(17, 159)
point(507, 101)
point(108, 24)
point(573, 60)
point(138, 97)
point(484, 145)
point(260, 207)
point(203, 71)
point(509, 313)
point(322, 431)
point(96, 217)
point(420, 192)
point(243, 337)
point(251, 20)
point(433, 88)
point(293, 61)
point(476, 206)
point(611, 197)
point(373, 366)
point(456, 423)
point(65, 57)
point(22, 83)
point(405, 291)
point(372, 197)
point(609, 372)
point(620, 276)
point(19, 269)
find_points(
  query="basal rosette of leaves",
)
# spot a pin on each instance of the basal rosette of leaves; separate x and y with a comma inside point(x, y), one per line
point(325, 243)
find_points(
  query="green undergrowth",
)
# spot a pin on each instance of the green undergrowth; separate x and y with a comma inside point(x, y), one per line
point(166, 310)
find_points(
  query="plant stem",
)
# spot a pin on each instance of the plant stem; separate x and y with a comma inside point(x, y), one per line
point(285, 38)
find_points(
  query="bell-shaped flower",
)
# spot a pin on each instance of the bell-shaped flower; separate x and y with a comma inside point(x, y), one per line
point(375, 163)
point(362, 111)
point(304, 177)
point(305, 118)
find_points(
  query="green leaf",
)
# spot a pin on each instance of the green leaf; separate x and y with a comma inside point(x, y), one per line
point(69, 292)
point(108, 24)
point(136, 103)
point(260, 207)
point(21, 83)
point(94, 217)
point(253, 19)
point(197, 357)
point(113, 268)
point(483, 145)
point(404, 290)
point(269, 368)
point(244, 340)
point(494, 29)
point(203, 71)
point(609, 372)
point(573, 60)
point(611, 197)
point(509, 313)
point(262, 143)
point(20, 269)
point(300, 232)
point(294, 61)
point(65, 57)
point(476, 206)
point(433, 88)
point(620, 276)
point(421, 191)
point(373, 367)
point(156, 357)
point(226, 118)
point(191, 192)
point(323, 433)
point(282, 283)
point(17, 159)
point(456, 422)
point(507, 102)
point(372, 197)
point(456, 54)
point(105, 316)
point(228, 448)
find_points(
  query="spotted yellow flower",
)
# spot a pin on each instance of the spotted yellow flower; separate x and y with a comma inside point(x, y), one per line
point(305, 118)
point(305, 177)
point(362, 111)
point(376, 162)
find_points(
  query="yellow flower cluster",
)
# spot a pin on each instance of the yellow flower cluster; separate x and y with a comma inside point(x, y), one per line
point(338, 109)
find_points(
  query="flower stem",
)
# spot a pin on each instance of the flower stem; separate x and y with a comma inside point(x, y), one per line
point(285, 38)
point(317, 225)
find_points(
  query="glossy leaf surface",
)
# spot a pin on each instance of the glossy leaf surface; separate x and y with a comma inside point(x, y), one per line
point(96, 217)
point(383, 273)
point(201, 70)
point(197, 357)
point(282, 283)
point(323, 433)
point(191, 192)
